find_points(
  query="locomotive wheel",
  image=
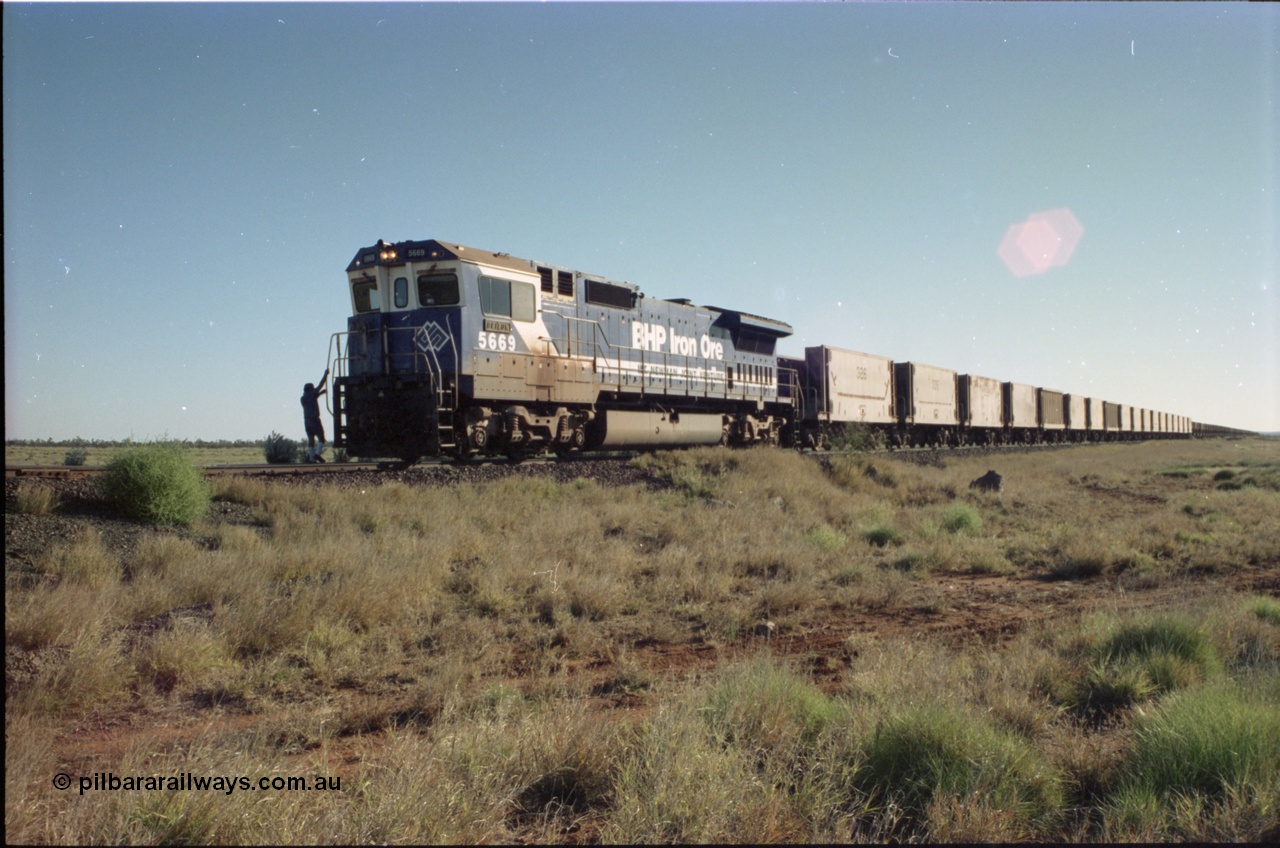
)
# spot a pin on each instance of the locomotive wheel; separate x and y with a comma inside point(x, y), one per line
point(577, 440)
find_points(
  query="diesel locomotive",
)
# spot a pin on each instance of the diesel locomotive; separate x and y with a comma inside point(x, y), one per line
point(456, 351)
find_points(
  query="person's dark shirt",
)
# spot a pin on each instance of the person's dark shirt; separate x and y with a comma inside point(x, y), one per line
point(310, 404)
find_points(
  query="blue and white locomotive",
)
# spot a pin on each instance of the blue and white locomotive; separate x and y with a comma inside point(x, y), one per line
point(456, 351)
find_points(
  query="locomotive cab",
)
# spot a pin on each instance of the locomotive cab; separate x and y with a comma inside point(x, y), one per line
point(398, 361)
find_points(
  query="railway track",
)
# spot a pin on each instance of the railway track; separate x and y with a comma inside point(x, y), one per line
point(922, 455)
point(75, 472)
point(919, 456)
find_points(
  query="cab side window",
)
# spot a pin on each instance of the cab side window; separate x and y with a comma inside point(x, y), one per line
point(438, 289)
point(365, 295)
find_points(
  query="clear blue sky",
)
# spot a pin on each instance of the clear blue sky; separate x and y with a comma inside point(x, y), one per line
point(184, 185)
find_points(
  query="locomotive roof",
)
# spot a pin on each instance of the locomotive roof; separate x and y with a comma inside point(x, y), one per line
point(444, 251)
point(755, 322)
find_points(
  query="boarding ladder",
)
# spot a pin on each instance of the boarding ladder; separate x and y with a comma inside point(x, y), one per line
point(445, 395)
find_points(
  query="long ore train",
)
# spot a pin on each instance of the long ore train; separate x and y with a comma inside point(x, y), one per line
point(456, 351)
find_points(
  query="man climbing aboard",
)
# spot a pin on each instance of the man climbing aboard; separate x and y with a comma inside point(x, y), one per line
point(311, 418)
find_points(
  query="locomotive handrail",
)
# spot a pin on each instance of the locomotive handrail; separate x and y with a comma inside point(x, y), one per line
point(335, 364)
point(420, 361)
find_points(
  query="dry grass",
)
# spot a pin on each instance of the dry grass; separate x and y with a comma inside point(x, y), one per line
point(35, 498)
point(100, 455)
point(447, 651)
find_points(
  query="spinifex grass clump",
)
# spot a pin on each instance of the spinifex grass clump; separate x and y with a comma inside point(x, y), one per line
point(155, 483)
point(1139, 660)
point(765, 707)
point(881, 535)
point(36, 499)
point(1201, 748)
point(961, 518)
point(1267, 609)
point(928, 753)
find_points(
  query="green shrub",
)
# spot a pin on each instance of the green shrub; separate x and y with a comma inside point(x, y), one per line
point(1168, 636)
point(762, 706)
point(1139, 660)
point(962, 518)
point(1106, 688)
point(881, 535)
point(826, 538)
point(855, 437)
point(1209, 742)
point(155, 483)
point(76, 456)
point(929, 753)
point(280, 450)
point(1265, 608)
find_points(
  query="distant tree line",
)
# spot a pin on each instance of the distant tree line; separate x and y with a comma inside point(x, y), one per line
point(121, 443)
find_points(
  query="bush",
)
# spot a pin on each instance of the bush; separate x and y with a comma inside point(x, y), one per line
point(1207, 742)
point(826, 538)
point(1267, 609)
point(280, 450)
point(76, 456)
point(1140, 660)
point(1105, 689)
point(155, 483)
point(962, 518)
point(855, 437)
point(881, 535)
point(927, 754)
point(1164, 638)
point(763, 707)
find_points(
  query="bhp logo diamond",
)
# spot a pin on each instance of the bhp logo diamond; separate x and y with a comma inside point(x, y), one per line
point(431, 336)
